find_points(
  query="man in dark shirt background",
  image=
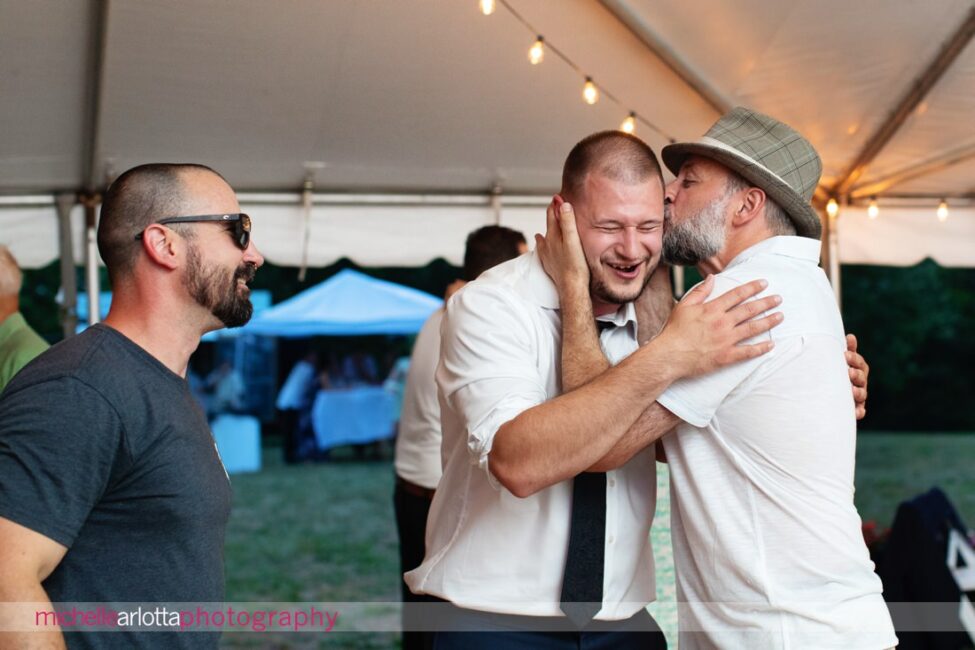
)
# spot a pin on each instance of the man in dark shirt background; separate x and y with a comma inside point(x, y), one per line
point(111, 488)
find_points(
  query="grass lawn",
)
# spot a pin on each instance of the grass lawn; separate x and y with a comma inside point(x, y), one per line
point(892, 467)
point(325, 533)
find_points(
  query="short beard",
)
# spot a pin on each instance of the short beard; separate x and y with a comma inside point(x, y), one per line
point(697, 237)
point(220, 297)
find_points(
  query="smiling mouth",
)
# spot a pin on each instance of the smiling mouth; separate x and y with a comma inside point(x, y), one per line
point(626, 271)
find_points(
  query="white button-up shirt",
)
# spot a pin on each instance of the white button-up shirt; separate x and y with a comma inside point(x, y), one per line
point(768, 549)
point(418, 441)
point(487, 549)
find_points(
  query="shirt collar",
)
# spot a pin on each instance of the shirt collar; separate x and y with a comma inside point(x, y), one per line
point(545, 293)
point(11, 324)
point(803, 248)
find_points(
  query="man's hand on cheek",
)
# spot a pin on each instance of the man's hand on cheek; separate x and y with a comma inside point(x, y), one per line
point(560, 250)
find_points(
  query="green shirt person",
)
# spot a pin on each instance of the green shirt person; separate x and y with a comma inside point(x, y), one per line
point(18, 342)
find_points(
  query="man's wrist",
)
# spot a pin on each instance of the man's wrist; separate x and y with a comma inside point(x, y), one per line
point(574, 290)
point(666, 362)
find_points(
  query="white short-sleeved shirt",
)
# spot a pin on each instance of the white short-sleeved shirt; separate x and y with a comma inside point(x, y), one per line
point(418, 441)
point(768, 548)
point(296, 392)
point(487, 549)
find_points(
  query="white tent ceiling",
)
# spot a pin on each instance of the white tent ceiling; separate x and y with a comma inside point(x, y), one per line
point(430, 96)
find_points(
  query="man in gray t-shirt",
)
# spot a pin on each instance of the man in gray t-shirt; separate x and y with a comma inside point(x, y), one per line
point(111, 489)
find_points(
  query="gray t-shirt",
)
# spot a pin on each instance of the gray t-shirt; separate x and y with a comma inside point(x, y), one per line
point(104, 450)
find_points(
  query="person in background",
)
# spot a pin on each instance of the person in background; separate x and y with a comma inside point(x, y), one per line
point(417, 455)
point(294, 402)
point(228, 389)
point(19, 343)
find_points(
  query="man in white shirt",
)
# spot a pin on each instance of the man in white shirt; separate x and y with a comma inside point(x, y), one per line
point(517, 431)
point(294, 405)
point(768, 548)
point(417, 460)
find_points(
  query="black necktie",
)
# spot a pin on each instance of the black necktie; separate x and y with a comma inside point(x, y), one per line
point(582, 581)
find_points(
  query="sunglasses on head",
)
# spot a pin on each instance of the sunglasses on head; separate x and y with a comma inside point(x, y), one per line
point(241, 234)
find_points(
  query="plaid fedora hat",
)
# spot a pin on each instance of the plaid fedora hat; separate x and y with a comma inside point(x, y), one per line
point(767, 153)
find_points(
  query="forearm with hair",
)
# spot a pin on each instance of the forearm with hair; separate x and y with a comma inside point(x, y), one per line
point(556, 440)
point(583, 360)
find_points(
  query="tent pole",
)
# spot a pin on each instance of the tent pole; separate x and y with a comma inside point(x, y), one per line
point(834, 260)
point(678, 281)
point(496, 193)
point(69, 282)
point(306, 200)
point(829, 256)
point(90, 202)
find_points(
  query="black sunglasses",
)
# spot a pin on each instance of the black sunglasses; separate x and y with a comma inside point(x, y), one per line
point(241, 233)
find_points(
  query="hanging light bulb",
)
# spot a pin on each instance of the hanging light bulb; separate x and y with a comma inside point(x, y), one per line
point(872, 209)
point(832, 208)
point(629, 124)
point(589, 92)
point(487, 7)
point(536, 53)
point(943, 211)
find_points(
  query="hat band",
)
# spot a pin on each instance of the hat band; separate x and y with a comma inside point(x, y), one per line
point(718, 144)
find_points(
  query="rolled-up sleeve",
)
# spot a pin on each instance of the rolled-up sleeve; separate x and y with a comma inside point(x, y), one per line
point(489, 368)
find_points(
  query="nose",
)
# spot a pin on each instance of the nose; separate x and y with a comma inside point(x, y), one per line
point(671, 191)
point(628, 247)
point(252, 255)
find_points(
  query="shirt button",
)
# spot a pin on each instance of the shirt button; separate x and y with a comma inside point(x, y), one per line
point(610, 539)
point(612, 482)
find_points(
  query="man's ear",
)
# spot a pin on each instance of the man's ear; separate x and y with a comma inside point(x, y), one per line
point(752, 205)
point(162, 246)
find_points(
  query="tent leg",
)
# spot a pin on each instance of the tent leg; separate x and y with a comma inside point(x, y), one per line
point(830, 256)
point(91, 201)
point(678, 281)
point(69, 281)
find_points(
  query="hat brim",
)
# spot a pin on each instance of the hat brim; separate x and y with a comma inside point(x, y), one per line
point(802, 214)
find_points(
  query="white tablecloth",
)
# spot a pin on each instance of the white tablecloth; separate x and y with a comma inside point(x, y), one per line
point(352, 416)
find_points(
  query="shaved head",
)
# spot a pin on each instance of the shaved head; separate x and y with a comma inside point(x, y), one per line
point(615, 155)
point(139, 197)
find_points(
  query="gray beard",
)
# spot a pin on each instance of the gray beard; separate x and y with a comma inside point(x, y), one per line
point(696, 238)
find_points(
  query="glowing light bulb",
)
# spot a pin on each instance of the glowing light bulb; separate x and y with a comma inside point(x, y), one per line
point(536, 53)
point(943, 211)
point(629, 124)
point(832, 208)
point(487, 7)
point(589, 92)
point(872, 209)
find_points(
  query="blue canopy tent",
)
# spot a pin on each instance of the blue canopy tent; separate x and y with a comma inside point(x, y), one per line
point(347, 304)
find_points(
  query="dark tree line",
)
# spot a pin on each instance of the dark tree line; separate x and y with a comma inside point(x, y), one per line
point(916, 327)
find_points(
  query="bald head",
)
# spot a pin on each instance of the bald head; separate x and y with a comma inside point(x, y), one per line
point(615, 155)
point(139, 197)
point(10, 276)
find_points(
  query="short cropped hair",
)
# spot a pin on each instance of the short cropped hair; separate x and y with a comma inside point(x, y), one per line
point(489, 246)
point(776, 219)
point(616, 155)
point(141, 196)
point(11, 278)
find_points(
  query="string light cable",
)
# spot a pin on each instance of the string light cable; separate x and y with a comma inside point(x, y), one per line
point(592, 91)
